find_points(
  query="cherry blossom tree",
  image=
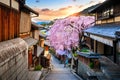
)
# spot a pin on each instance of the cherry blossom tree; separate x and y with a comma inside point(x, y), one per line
point(65, 34)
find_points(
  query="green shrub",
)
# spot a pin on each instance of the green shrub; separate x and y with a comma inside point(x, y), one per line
point(51, 50)
point(84, 50)
point(75, 54)
point(38, 67)
point(91, 65)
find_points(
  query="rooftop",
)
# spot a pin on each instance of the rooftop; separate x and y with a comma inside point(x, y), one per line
point(30, 41)
point(36, 26)
point(10, 48)
point(105, 4)
point(106, 30)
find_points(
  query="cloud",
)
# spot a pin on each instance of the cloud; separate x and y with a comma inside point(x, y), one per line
point(48, 14)
point(74, 0)
point(46, 9)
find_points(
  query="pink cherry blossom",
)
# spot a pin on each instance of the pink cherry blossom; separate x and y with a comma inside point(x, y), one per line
point(65, 33)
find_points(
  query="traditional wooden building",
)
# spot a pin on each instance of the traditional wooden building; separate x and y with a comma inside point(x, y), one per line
point(103, 39)
point(25, 29)
point(44, 43)
point(13, 50)
point(35, 30)
point(18, 50)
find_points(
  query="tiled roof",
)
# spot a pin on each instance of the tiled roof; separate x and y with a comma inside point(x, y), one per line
point(36, 26)
point(29, 9)
point(89, 9)
point(30, 41)
point(10, 48)
point(106, 30)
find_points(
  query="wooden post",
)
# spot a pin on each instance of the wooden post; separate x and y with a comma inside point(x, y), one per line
point(29, 58)
point(95, 47)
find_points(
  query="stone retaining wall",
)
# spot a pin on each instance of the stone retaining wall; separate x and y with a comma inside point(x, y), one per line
point(13, 60)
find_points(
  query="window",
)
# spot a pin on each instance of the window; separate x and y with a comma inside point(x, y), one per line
point(107, 13)
point(111, 11)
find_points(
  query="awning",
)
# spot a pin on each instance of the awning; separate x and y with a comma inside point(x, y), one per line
point(10, 48)
point(39, 50)
point(30, 41)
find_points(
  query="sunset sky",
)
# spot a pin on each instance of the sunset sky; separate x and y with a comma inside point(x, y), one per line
point(54, 9)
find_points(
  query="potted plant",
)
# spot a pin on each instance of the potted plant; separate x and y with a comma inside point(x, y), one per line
point(38, 68)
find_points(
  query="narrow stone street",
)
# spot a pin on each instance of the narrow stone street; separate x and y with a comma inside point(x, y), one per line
point(58, 72)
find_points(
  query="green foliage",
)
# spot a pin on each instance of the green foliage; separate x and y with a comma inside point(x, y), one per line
point(48, 24)
point(51, 50)
point(75, 54)
point(44, 24)
point(51, 23)
point(91, 65)
point(84, 50)
point(38, 67)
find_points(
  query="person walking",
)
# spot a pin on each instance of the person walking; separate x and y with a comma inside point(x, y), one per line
point(66, 61)
point(67, 58)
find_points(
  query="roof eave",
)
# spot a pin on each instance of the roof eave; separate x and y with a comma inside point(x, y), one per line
point(110, 37)
point(31, 10)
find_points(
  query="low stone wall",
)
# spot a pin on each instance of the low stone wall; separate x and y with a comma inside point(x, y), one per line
point(34, 75)
point(83, 69)
point(13, 60)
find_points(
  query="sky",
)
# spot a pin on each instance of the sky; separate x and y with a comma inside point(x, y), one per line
point(54, 9)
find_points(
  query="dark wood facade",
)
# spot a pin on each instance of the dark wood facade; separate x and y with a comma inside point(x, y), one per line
point(9, 23)
point(108, 12)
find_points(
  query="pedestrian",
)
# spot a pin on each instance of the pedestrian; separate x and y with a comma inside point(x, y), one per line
point(66, 61)
point(67, 58)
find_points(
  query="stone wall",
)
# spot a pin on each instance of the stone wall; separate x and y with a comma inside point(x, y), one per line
point(83, 70)
point(13, 60)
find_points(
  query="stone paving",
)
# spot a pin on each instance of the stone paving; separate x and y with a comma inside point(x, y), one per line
point(58, 72)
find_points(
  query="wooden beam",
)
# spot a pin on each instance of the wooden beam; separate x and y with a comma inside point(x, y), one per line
point(95, 46)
